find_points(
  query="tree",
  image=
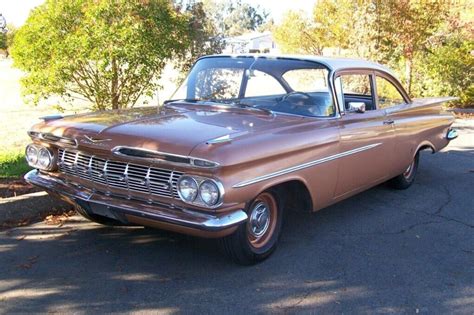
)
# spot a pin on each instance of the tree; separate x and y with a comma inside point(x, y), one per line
point(446, 67)
point(3, 41)
point(6, 39)
point(328, 27)
point(404, 28)
point(234, 17)
point(204, 38)
point(295, 34)
point(109, 52)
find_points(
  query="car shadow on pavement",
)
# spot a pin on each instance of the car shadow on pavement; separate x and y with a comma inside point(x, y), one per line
point(382, 251)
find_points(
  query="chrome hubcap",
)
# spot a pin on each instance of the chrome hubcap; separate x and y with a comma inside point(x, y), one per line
point(409, 170)
point(259, 219)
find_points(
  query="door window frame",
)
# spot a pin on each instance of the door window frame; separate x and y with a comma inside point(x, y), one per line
point(369, 72)
point(395, 84)
point(372, 73)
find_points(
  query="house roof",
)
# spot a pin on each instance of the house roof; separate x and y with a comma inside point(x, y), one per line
point(248, 37)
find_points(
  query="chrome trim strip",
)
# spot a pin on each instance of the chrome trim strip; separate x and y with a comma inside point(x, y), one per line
point(303, 166)
point(116, 151)
point(221, 139)
point(50, 138)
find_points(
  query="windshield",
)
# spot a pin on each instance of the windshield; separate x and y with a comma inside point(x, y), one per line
point(281, 85)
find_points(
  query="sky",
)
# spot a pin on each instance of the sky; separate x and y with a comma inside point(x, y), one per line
point(16, 11)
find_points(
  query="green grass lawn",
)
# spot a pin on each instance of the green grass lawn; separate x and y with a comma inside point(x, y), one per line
point(13, 164)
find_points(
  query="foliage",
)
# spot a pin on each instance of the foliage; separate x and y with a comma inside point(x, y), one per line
point(328, 27)
point(6, 39)
point(404, 28)
point(204, 38)
point(109, 52)
point(429, 43)
point(12, 164)
point(233, 18)
point(3, 41)
point(296, 35)
point(448, 70)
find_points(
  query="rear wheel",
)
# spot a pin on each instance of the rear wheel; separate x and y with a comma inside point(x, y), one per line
point(255, 240)
point(406, 179)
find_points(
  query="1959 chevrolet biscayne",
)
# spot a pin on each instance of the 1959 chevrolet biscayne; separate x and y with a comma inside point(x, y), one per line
point(242, 138)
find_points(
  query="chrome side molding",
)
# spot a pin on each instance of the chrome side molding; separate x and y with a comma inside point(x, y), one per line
point(304, 165)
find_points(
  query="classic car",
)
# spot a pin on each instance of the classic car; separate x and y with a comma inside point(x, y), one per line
point(243, 140)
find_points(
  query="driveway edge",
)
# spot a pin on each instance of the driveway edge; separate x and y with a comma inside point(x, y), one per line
point(30, 207)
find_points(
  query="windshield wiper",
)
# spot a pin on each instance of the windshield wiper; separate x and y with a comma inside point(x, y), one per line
point(227, 103)
point(250, 107)
point(181, 99)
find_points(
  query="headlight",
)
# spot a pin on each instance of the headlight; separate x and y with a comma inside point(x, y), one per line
point(200, 191)
point(31, 155)
point(45, 159)
point(187, 188)
point(39, 157)
point(209, 192)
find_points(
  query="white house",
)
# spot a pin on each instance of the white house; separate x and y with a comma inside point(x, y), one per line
point(251, 43)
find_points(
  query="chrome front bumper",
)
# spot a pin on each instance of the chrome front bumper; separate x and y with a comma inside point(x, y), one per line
point(118, 208)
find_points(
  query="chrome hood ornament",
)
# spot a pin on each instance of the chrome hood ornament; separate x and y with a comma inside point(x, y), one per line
point(96, 140)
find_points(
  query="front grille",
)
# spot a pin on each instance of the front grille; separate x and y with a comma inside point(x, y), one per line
point(116, 174)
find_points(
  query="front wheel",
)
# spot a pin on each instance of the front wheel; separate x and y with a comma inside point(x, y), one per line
point(255, 240)
point(406, 179)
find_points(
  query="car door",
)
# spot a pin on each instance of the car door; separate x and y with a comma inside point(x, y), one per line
point(367, 141)
point(398, 110)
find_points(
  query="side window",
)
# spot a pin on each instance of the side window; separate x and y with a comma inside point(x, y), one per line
point(355, 88)
point(307, 80)
point(387, 93)
point(261, 84)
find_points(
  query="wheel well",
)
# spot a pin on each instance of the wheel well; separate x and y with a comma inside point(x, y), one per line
point(426, 147)
point(296, 196)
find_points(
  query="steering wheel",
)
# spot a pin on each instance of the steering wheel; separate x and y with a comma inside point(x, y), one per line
point(306, 95)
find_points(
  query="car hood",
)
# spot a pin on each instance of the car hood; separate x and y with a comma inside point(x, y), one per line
point(173, 129)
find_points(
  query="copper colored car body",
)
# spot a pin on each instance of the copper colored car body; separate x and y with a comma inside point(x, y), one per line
point(348, 127)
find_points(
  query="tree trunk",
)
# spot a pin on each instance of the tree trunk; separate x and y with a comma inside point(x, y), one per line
point(408, 74)
point(114, 87)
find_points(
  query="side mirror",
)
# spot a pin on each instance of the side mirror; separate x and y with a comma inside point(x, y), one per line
point(250, 73)
point(357, 107)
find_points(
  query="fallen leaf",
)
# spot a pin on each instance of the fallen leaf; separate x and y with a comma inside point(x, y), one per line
point(31, 261)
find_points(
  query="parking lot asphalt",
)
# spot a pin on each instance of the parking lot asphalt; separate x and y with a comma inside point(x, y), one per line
point(383, 251)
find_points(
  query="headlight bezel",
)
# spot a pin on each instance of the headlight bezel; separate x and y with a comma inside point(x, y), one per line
point(32, 158)
point(198, 201)
point(200, 191)
point(35, 163)
point(178, 188)
point(50, 158)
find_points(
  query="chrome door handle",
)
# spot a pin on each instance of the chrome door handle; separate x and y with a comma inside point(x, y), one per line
point(388, 122)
